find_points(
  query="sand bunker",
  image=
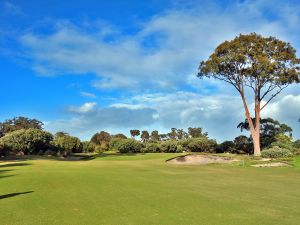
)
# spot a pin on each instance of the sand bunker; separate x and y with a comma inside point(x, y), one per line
point(274, 164)
point(199, 160)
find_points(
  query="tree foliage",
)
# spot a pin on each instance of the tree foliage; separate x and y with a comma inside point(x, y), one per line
point(18, 123)
point(201, 144)
point(121, 136)
point(128, 146)
point(29, 141)
point(145, 136)
point(155, 136)
point(196, 132)
point(67, 144)
point(264, 65)
point(134, 133)
point(227, 146)
point(243, 144)
point(87, 146)
point(101, 141)
point(171, 146)
point(276, 152)
point(181, 134)
point(269, 129)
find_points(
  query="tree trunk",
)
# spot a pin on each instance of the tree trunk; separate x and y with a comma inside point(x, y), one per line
point(254, 130)
point(256, 142)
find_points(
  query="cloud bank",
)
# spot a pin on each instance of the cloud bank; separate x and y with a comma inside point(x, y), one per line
point(158, 64)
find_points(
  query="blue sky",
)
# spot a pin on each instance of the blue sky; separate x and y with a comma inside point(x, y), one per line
point(112, 65)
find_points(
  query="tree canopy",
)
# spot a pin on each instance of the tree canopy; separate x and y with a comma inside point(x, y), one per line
point(134, 133)
point(265, 65)
point(18, 123)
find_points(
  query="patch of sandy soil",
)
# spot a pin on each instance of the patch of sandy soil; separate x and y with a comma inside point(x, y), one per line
point(199, 160)
point(265, 159)
point(274, 164)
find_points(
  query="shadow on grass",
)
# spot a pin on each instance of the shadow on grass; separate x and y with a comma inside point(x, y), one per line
point(75, 157)
point(14, 164)
point(14, 194)
point(38, 157)
point(116, 154)
point(4, 171)
point(5, 176)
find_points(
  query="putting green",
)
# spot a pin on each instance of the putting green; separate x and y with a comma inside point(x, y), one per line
point(143, 189)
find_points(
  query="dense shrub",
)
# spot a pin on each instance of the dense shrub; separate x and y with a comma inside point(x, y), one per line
point(29, 141)
point(284, 142)
point(296, 145)
point(120, 136)
point(114, 143)
point(171, 146)
point(101, 148)
point(243, 144)
point(287, 146)
point(2, 150)
point(152, 147)
point(227, 146)
point(67, 144)
point(202, 144)
point(276, 152)
point(87, 146)
point(129, 145)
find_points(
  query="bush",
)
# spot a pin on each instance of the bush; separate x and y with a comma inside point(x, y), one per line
point(87, 146)
point(226, 146)
point(101, 148)
point(243, 144)
point(284, 142)
point(202, 144)
point(2, 150)
point(129, 145)
point(296, 145)
point(171, 146)
point(152, 147)
point(67, 144)
point(49, 153)
point(287, 146)
point(114, 143)
point(276, 152)
point(120, 136)
point(30, 141)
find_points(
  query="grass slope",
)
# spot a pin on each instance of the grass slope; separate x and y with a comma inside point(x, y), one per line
point(142, 189)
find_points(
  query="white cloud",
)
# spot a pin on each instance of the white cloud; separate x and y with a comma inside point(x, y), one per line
point(163, 52)
point(112, 119)
point(85, 108)
point(287, 110)
point(161, 57)
point(87, 94)
point(219, 115)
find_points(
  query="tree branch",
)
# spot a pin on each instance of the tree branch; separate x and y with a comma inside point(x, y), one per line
point(273, 96)
point(271, 88)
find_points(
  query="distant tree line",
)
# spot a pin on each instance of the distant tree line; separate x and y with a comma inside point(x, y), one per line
point(24, 136)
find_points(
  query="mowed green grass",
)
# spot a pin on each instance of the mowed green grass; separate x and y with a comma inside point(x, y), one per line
point(143, 189)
